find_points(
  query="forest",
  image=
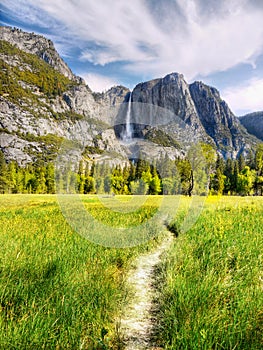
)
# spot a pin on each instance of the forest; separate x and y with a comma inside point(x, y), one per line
point(197, 173)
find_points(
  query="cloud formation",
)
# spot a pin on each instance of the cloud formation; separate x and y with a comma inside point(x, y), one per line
point(98, 82)
point(245, 98)
point(150, 38)
point(190, 36)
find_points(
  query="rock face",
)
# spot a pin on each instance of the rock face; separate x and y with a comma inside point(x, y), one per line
point(167, 103)
point(253, 123)
point(218, 120)
point(172, 93)
point(33, 121)
point(35, 118)
point(38, 45)
point(201, 108)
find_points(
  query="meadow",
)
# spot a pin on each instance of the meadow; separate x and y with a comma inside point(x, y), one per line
point(212, 279)
point(58, 290)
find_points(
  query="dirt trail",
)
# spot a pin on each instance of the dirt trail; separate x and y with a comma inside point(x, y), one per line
point(138, 323)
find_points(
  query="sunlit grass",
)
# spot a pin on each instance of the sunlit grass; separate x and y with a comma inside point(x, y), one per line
point(57, 290)
point(61, 291)
point(212, 279)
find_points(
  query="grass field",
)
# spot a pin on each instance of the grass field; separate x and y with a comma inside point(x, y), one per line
point(213, 280)
point(57, 290)
point(60, 291)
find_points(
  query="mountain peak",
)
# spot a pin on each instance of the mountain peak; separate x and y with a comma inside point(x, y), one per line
point(38, 45)
point(206, 90)
point(173, 77)
point(39, 105)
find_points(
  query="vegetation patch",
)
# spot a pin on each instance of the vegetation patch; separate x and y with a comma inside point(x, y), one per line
point(33, 72)
point(212, 280)
point(57, 289)
point(161, 138)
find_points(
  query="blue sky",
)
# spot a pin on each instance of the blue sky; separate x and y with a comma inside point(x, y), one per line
point(110, 42)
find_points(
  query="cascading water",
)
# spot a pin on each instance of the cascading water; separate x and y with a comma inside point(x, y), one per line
point(127, 135)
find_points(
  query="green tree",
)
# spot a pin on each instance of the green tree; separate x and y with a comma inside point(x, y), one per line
point(218, 179)
point(89, 186)
point(50, 178)
point(218, 182)
point(155, 185)
point(141, 166)
point(258, 184)
point(186, 176)
point(246, 181)
point(99, 184)
point(12, 177)
point(199, 157)
point(107, 183)
point(168, 185)
point(81, 177)
point(139, 187)
point(241, 162)
point(41, 180)
point(3, 174)
point(20, 181)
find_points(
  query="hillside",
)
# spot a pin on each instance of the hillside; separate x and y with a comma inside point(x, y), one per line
point(43, 104)
point(253, 123)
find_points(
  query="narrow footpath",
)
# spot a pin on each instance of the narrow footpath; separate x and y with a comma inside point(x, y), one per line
point(138, 322)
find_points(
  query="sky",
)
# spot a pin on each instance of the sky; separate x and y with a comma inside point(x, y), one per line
point(118, 42)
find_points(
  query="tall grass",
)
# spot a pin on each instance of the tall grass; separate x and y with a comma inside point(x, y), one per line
point(57, 290)
point(60, 291)
point(213, 280)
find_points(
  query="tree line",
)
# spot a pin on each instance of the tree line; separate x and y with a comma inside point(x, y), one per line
point(200, 172)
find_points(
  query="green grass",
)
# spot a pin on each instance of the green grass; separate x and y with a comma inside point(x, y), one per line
point(57, 290)
point(60, 291)
point(213, 280)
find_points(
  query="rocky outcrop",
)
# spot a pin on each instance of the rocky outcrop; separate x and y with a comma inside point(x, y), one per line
point(206, 115)
point(34, 120)
point(38, 45)
point(253, 123)
point(171, 93)
point(218, 120)
point(113, 97)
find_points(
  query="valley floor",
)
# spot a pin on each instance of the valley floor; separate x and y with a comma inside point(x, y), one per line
point(59, 290)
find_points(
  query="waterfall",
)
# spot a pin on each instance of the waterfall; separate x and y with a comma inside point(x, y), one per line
point(127, 136)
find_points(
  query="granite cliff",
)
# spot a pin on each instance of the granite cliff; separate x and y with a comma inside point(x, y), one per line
point(42, 104)
point(253, 122)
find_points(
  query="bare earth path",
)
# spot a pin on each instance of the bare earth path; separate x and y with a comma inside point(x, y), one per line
point(137, 323)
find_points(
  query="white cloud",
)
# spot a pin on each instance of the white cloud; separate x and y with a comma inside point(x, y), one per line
point(99, 82)
point(195, 37)
point(246, 98)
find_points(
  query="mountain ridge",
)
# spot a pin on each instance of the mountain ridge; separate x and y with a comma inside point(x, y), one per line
point(253, 122)
point(67, 108)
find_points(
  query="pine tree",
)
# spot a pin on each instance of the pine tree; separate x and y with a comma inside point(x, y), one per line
point(81, 177)
point(107, 183)
point(241, 163)
point(141, 166)
point(3, 174)
point(50, 178)
point(12, 177)
point(89, 186)
point(258, 185)
point(41, 180)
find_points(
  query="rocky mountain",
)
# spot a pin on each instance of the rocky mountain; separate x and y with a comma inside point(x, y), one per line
point(39, 46)
point(200, 107)
point(43, 104)
point(253, 122)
